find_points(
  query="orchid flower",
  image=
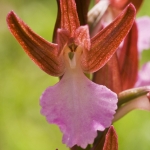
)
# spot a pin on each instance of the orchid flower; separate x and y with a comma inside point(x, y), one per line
point(77, 105)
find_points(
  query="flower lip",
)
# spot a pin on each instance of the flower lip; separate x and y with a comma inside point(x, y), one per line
point(79, 107)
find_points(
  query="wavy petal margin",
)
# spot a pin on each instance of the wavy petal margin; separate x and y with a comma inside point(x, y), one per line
point(79, 107)
point(105, 43)
point(42, 52)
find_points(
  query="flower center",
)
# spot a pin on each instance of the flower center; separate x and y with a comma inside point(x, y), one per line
point(73, 52)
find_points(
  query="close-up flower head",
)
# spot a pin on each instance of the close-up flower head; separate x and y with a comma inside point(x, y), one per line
point(99, 53)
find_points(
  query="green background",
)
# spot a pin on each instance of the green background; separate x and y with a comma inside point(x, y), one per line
point(22, 127)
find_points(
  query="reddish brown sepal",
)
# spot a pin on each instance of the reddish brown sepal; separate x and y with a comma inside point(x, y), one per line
point(109, 75)
point(107, 141)
point(69, 22)
point(42, 52)
point(128, 59)
point(111, 140)
point(105, 43)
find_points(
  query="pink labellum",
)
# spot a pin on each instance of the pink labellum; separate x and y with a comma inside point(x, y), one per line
point(43, 53)
point(105, 43)
point(144, 76)
point(79, 107)
point(143, 25)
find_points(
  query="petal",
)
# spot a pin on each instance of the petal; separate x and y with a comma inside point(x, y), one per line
point(109, 75)
point(144, 76)
point(79, 107)
point(128, 59)
point(121, 4)
point(105, 43)
point(141, 103)
point(62, 38)
point(143, 25)
point(69, 16)
point(42, 52)
point(82, 37)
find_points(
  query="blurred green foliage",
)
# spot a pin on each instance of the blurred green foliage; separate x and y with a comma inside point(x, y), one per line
point(22, 127)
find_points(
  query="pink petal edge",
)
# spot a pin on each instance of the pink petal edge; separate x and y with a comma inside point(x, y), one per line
point(79, 107)
point(144, 75)
point(143, 25)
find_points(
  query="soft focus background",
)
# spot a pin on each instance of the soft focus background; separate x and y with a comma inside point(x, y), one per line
point(22, 127)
